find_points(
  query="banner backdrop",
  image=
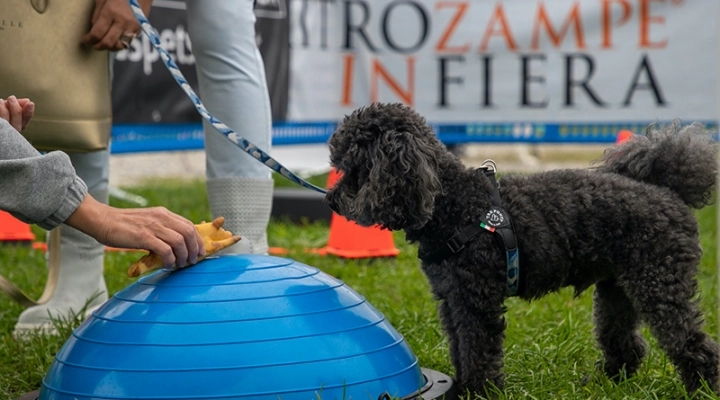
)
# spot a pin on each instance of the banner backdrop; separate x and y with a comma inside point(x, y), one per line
point(504, 70)
point(514, 68)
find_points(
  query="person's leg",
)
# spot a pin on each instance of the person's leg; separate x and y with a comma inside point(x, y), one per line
point(232, 86)
point(80, 282)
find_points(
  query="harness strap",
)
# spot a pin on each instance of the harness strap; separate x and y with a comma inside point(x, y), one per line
point(488, 169)
point(496, 220)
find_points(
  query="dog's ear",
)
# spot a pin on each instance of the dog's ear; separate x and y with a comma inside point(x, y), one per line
point(403, 181)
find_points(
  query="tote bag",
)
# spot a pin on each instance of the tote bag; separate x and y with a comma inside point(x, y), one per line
point(42, 58)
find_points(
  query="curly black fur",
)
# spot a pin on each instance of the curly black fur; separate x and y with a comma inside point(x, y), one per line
point(626, 227)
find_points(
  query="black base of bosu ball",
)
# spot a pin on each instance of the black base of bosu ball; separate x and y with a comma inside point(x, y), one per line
point(438, 386)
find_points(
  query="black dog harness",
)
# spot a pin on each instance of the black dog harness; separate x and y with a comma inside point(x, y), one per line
point(496, 220)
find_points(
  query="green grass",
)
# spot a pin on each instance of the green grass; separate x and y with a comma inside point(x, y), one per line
point(550, 350)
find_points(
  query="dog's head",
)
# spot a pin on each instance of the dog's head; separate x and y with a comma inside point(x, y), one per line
point(388, 158)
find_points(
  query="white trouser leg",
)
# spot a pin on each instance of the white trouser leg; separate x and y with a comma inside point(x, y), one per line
point(80, 282)
point(245, 203)
point(232, 85)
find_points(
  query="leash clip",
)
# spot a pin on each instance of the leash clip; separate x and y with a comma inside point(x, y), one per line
point(490, 168)
point(489, 164)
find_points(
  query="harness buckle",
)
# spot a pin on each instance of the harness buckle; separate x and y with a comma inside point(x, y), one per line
point(455, 245)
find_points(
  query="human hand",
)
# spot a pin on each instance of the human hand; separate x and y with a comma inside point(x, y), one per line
point(173, 238)
point(17, 112)
point(214, 238)
point(114, 25)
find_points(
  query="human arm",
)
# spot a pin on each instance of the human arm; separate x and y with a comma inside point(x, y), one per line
point(157, 229)
point(45, 190)
point(35, 188)
point(111, 20)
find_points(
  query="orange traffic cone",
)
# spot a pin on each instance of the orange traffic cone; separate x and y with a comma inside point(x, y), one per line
point(350, 240)
point(623, 135)
point(13, 230)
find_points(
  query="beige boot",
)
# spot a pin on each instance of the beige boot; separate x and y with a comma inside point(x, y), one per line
point(245, 203)
point(80, 284)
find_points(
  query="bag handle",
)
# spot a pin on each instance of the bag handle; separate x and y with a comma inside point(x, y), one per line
point(53, 273)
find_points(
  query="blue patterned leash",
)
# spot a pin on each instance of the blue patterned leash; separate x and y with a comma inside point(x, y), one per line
point(238, 140)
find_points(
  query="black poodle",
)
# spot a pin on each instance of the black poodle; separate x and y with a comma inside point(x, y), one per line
point(625, 226)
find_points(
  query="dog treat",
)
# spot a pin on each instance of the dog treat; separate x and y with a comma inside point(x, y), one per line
point(214, 238)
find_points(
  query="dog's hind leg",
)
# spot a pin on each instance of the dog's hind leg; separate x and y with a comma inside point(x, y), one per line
point(665, 302)
point(617, 330)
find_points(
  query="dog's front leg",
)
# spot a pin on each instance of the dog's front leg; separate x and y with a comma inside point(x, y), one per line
point(478, 337)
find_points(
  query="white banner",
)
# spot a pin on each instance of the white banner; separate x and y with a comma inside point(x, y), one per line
point(550, 64)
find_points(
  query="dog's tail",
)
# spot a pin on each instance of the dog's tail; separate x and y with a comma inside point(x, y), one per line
point(681, 158)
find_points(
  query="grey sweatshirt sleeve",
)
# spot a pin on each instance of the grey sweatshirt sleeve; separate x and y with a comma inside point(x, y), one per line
point(34, 188)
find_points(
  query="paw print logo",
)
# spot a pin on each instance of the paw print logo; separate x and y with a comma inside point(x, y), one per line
point(494, 218)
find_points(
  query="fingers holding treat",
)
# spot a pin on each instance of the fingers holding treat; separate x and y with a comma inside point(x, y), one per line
point(147, 263)
point(214, 238)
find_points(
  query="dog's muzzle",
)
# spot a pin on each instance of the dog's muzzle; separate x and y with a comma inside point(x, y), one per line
point(329, 201)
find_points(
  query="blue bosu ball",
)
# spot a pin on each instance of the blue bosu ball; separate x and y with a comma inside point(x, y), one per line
point(235, 327)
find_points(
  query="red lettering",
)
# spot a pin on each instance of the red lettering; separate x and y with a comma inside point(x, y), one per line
point(442, 45)
point(645, 20)
point(378, 72)
point(607, 19)
point(349, 63)
point(556, 38)
point(498, 16)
